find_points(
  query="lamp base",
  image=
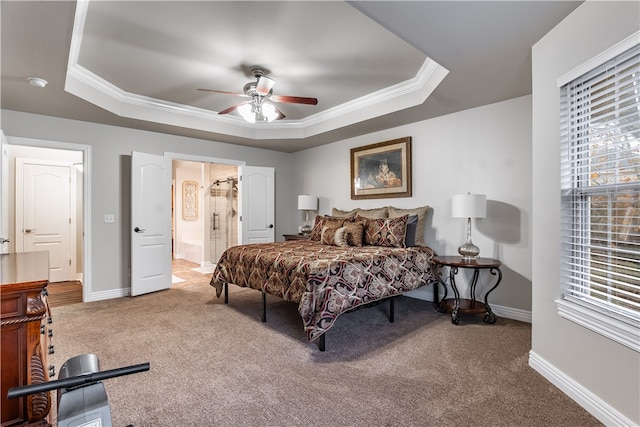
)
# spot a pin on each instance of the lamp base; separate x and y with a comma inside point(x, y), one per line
point(306, 229)
point(469, 251)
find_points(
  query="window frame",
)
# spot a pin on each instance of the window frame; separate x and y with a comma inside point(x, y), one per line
point(601, 318)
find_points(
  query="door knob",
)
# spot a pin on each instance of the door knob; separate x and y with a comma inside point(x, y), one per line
point(139, 230)
point(270, 225)
point(29, 230)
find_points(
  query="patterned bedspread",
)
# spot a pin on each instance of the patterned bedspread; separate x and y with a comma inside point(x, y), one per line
point(324, 280)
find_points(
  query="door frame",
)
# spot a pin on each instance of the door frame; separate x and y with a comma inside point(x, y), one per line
point(202, 159)
point(87, 278)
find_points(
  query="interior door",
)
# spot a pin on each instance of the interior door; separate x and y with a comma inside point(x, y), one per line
point(151, 223)
point(257, 192)
point(4, 195)
point(43, 212)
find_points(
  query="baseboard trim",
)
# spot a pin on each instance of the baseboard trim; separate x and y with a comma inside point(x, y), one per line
point(110, 294)
point(604, 412)
point(499, 310)
point(511, 313)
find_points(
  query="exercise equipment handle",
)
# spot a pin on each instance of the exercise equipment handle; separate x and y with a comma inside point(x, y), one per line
point(78, 380)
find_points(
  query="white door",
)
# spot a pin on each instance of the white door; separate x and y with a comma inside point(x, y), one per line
point(257, 191)
point(151, 223)
point(43, 212)
point(4, 195)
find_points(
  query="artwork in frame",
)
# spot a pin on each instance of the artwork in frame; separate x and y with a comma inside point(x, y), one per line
point(381, 170)
point(190, 201)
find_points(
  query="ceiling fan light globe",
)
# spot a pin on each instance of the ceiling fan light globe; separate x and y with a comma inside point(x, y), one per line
point(269, 112)
point(247, 113)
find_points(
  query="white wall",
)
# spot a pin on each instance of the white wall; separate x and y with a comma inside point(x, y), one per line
point(189, 231)
point(600, 374)
point(484, 150)
point(110, 181)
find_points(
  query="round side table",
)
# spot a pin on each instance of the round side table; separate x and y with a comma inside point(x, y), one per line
point(463, 305)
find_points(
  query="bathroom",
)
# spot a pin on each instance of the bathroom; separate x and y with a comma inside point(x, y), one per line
point(205, 211)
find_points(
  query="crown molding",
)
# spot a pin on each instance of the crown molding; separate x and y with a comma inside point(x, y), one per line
point(92, 88)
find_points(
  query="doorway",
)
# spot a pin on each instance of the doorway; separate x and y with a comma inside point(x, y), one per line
point(46, 186)
point(205, 217)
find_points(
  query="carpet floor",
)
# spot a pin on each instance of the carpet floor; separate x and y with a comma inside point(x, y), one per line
point(216, 364)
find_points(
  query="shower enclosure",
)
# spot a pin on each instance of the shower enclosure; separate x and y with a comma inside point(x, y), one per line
point(223, 212)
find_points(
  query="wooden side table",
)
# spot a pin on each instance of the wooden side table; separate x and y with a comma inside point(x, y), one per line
point(295, 236)
point(461, 305)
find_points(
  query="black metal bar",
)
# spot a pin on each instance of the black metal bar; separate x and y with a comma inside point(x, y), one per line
point(226, 293)
point(264, 307)
point(75, 381)
point(321, 342)
point(392, 306)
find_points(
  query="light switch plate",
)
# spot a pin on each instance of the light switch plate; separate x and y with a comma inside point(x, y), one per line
point(109, 218)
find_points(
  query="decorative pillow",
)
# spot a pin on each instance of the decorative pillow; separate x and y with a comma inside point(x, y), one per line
point(328, 236)
point(386, 232)
point(373, 213)
point(412, 225)
point(321, 221)
point(422, 217)
point(339, 238)
point(343, 214)
point(353, 233)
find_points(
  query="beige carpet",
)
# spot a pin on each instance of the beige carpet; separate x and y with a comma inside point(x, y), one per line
point(218, 365)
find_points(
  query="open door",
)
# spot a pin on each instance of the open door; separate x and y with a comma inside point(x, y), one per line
point(4, 195)
point(257, 192)
point(151, 223)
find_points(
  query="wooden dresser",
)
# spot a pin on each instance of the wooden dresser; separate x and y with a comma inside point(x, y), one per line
point(26, 333)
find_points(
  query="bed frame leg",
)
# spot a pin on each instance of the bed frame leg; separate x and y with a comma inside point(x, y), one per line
point(321, 342)
point(392, 307)
point(264, 307)
point(226, 293)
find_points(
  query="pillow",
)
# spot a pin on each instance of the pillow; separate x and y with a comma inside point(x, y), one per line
point(353, 233)
point(328, 236)
point(412, 225)
point(373, 213)
point(386, 232)
point(422, 217)
point(343, 214)
point(339, 238)
point(321, 221)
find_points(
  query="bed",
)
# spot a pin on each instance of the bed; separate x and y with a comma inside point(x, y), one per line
point(343, 266)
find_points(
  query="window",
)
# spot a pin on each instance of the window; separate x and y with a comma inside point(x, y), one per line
point(601, 199)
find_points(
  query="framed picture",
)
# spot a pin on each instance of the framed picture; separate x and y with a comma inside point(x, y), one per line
point(382, 170)
point(190, 201)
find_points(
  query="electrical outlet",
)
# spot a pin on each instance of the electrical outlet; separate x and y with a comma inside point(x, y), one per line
point(109, 218)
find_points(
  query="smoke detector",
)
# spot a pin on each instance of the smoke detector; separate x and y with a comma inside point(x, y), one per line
point(37, 81)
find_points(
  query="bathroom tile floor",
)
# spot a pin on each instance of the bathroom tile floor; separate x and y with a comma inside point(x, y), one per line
point(184, 270)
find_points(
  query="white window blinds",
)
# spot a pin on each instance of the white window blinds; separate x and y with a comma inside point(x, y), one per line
point(601, 187)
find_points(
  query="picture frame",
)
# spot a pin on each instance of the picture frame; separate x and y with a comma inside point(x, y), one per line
point(381, 170)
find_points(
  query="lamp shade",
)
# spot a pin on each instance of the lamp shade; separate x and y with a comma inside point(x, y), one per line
point(469, 206)
point(307, 202)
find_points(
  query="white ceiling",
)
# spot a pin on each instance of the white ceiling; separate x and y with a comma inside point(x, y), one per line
point(372, 65)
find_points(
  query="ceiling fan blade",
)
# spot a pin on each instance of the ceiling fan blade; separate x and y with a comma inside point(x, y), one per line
point(232, 108)
point(223, 91)
point(264, 85)
point(294, 99)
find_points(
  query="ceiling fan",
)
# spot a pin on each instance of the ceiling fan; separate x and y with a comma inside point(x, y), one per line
point(260, 107)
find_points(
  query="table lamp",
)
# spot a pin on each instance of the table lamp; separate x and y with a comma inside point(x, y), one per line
point(307, 203)
point(469, 206)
